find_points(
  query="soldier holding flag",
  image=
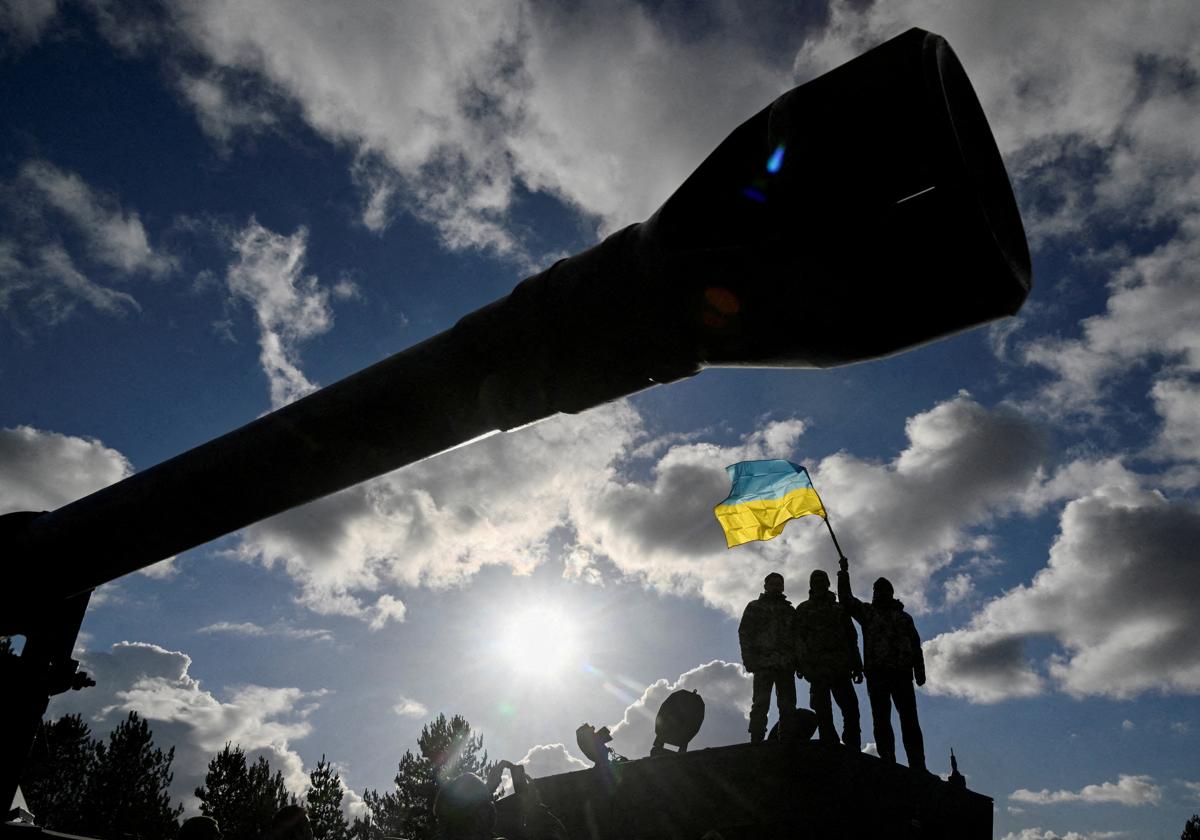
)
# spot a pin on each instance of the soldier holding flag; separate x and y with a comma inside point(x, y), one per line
point(893, 659)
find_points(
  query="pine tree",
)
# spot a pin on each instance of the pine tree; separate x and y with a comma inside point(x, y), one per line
point(127, 793)
point(241, 798)
point(1191, 831)
point(324, 804)
point(447, 749)
point(55, 778)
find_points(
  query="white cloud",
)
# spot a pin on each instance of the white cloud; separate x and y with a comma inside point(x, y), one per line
point(498, 501)
point(156, 683)
point(1047, 834)
point(249, 628)
point(1152, 316)
point(407, 707)
point(958, 588)
point(456, 107)
point(550, 759)
point(24, 21)
point(1127, 725)
point(1193, 788)
point(225, 107)
point(1178, 403)
point(41, 470)
point(40, 272)
point(1127, 790)
point(1116, 597)
point(113, 237)
point(438, 522)
point(963, 465)
point(289, 307)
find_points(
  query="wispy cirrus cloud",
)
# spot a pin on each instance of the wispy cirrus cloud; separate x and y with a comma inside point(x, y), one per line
point(49, 275)
point(280, 629)
point(268, 274)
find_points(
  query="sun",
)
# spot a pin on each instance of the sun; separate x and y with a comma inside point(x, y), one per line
point(539, 642)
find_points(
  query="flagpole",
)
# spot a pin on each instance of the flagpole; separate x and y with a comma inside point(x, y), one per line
point(825, 516)
point(832, 535)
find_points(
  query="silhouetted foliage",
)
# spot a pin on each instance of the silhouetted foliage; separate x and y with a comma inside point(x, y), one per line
point(1191, 831)
point(361, 829)
point(324, 804)
point(242, 798)
point(55, 778)
point(126, 794)
point(446, 749)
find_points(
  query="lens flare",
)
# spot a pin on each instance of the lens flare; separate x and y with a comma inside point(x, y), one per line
point(775, 162)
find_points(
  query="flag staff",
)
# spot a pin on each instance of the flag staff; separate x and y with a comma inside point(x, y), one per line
point(825, 516)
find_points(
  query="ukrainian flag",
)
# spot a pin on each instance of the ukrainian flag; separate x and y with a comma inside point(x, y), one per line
point(764, 496)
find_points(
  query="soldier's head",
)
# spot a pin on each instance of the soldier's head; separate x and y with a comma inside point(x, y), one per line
point(882, 592)
point(464, 809)
point(289, 823)
point(818, 581)
point(200, 828)
point(773, 582)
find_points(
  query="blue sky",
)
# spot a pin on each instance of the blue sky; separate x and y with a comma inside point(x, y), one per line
point(211, 208)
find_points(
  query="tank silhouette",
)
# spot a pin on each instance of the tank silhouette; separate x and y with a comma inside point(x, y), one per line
point(863, 213)
point(678, 720)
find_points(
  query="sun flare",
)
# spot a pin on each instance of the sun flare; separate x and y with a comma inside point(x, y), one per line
point(540, 642)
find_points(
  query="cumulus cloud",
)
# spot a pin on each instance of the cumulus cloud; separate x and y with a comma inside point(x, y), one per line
point(963, 465)
point(42, 470)
point(268, 274)
point(498, 502)
point(438, 522)
point(1127, 790)
point(1116, 598)
point(156, 683)
point(550, 759)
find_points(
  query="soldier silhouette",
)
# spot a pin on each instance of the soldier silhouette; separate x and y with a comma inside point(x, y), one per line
point(464, 809)
point(768, 653)
point(827, 656)
point(892, 656)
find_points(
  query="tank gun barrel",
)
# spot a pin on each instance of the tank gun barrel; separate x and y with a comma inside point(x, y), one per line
point(860, 214)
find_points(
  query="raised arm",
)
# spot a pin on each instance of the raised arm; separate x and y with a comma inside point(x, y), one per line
point(845, 596)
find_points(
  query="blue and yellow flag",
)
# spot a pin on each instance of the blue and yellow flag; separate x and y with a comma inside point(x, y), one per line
point(764, 496)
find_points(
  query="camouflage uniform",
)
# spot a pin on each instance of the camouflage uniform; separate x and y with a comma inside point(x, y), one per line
point(827, 656)
point(768, 652)
point(892, 656)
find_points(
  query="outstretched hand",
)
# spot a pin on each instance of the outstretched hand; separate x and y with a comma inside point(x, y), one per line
point(856, 676)
point(919, 676)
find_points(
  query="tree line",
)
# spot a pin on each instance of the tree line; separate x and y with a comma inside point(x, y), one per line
point(118, 788)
